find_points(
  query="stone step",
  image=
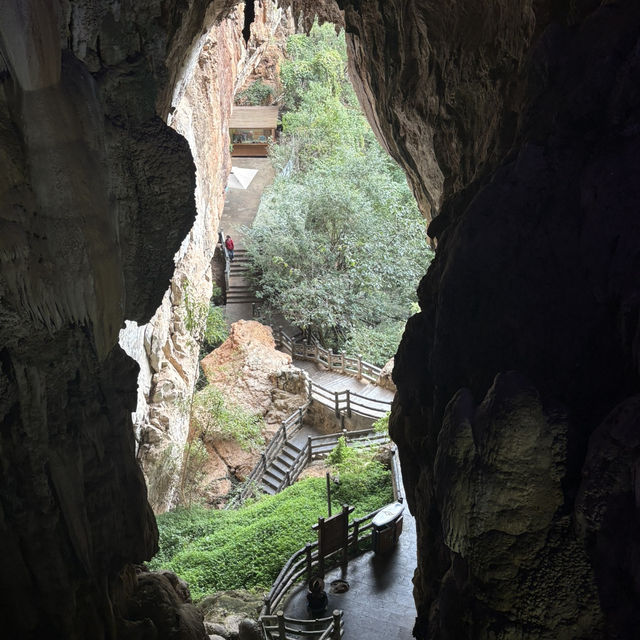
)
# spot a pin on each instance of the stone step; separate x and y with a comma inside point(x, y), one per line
point(271, 482)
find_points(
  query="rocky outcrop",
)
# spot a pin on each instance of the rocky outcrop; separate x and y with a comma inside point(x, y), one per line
point(248, 372)
point(167, 349)
point(252, 373)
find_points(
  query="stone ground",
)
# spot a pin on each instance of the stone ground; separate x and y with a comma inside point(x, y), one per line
point(379, 603)
point(240, 208)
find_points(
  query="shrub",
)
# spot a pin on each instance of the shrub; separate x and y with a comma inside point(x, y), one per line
point(246, 548)
point(381, 425)
point(215, 332)
point(212, 416)
point(256, 94)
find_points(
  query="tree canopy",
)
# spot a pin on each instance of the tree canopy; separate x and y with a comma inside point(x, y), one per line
point(338, 244)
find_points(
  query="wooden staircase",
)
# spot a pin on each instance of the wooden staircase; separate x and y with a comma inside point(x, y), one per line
point(275, 477)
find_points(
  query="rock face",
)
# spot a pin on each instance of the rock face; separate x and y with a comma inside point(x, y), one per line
point(517, 405)
point(167, 348)
point(252, 373)
point(518, 121)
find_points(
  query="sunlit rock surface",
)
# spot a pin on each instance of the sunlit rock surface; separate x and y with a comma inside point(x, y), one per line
point(168, 345)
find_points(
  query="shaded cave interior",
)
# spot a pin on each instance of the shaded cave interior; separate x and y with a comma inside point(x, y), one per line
point(517, 414)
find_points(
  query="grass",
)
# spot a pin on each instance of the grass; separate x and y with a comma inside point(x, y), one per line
point(246, 548)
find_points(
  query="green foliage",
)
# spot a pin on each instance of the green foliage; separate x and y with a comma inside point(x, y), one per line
point(338, 245)
point(381, 425)
point(319, 58)
point(376, 344)
point(215, 332)
point(213, 417)
point(358, 460)
point(195, 311)
point(246, 548)
point(256, 94)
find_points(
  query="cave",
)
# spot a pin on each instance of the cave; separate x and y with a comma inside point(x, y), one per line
point(517, 414)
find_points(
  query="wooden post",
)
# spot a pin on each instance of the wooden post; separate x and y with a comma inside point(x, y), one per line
point(342, 353)
point(287, 477)
point(359, 366)
point(337, 403)
point(304, 348)
point(349, 403)
point(284, 429)
point(281, 630)
point(330, 359)
point(356, 533)
point(310, 390)
point(337, 625)
point(264, 460)
point(320, 551)
point(309, 445)
point(307, 548)
point(279, 338)
point(345, 544)
point(300, 416)
point(328, 493)
point(267, 605)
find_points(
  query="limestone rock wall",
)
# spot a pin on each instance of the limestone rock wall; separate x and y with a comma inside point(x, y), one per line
point(168, 346)
point(517, 382)
point(96, 196)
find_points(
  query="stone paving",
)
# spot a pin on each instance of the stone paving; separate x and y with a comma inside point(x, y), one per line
point(379, 603)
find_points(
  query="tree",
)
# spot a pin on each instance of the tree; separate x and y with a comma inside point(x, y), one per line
point(338, 244)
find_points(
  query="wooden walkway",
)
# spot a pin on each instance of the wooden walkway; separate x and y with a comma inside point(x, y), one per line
point(334, 381)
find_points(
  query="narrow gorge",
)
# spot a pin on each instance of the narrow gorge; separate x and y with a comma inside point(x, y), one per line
point(517, 412)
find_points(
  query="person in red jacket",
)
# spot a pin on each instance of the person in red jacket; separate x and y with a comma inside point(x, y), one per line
point(229, 244)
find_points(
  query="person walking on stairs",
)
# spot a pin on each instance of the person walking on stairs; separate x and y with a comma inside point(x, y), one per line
point(228, 243)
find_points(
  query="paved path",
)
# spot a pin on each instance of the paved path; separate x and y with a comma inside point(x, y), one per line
point(379, 603)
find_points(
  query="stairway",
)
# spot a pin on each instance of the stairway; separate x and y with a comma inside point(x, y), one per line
point(240, 291)
point(276, 471)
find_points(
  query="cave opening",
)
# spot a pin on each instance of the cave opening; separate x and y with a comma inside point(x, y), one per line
point(516, 414)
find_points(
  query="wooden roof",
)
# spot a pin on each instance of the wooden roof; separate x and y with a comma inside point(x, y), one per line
point(254, 117)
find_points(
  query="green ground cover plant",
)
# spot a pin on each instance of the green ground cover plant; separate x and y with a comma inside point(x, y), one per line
point(246, 548)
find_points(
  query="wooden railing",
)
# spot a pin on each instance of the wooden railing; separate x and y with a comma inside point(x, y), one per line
point(277, 627)
point(306, 560)
point(348, 365)
point(349, 402)
point(288, 428)
point(227, 262)
point(321, 446)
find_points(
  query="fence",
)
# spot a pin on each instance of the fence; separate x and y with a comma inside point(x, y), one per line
point(227, 262)
point(320, 446)
point(275, 627)
point(288, 428)
point(349, 402)
point(348, 365)
point(305, 560)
